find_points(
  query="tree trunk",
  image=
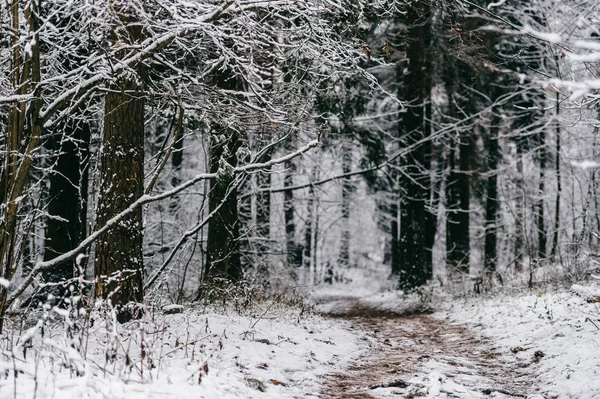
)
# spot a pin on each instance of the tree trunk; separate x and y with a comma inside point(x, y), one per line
point(119, 261)
point(177, 157)
point(491, 204)
point(288, 210)
point(263, 217)
point(395, 227)
point(519, 211)
point(347, 189)
point(222, 249)
point(67, 203)
point(558, 184)
point(414, 83)
point(457, 203)
point(307, 251)
point(24, 77)
point(540, 203)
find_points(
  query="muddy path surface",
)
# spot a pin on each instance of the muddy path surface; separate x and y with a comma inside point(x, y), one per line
point(419, 355)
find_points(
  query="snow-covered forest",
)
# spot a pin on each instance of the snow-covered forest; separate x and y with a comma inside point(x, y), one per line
point(299, 198)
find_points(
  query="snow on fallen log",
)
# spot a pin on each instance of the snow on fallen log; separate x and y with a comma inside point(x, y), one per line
point(172, 309)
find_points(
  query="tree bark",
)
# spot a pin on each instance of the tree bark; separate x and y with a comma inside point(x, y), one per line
point(457, 205)
point(347, 189)
point(491, 204)
point(414, 88)
point(21, 139)
point(558, 185)
point(119, 262)
point(540, 203)
point(222, 251)
point(288, 214)
point(263, 216)
point(519, 211)
point(119, 265)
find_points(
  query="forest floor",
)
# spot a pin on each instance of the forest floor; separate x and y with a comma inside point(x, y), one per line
point(418, 355)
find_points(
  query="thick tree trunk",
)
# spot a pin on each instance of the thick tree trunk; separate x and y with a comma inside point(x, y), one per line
point(223, 260)
point(177, 157)
point(414, 87)
point(119, 263)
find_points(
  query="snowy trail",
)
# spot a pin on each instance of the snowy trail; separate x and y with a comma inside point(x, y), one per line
point(418, 355)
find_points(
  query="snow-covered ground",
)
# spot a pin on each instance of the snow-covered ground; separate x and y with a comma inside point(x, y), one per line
point(563, 326)
point(552, 334)
point(195, 354)
point(287, 352)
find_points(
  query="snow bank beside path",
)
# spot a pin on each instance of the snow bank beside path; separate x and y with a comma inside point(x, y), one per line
point(555, 335)
point(188, 355)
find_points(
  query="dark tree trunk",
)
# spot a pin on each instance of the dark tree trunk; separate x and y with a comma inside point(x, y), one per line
point(458, 187)
point(540, 203)
point(395, 239)
point(432, 194)
point(263, 203)
point(177, 156)
point(457, 203)
point(288, 214)
point(519, 211)
point(223, 260)
point(119, 262)
point(414, 88)
point(558, 184)
point(222, 251)
point(67, 200)
point(491, 203)
point(263, 217)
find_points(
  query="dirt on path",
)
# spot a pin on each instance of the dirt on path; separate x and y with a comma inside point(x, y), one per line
point(418, 355)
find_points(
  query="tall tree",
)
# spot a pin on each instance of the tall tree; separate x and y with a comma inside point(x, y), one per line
point(119, 261)
point(410, 256)
point(347, 189)
point(491, 198)
point(222, 249)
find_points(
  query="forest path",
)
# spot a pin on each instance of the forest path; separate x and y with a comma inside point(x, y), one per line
point(417, 355)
